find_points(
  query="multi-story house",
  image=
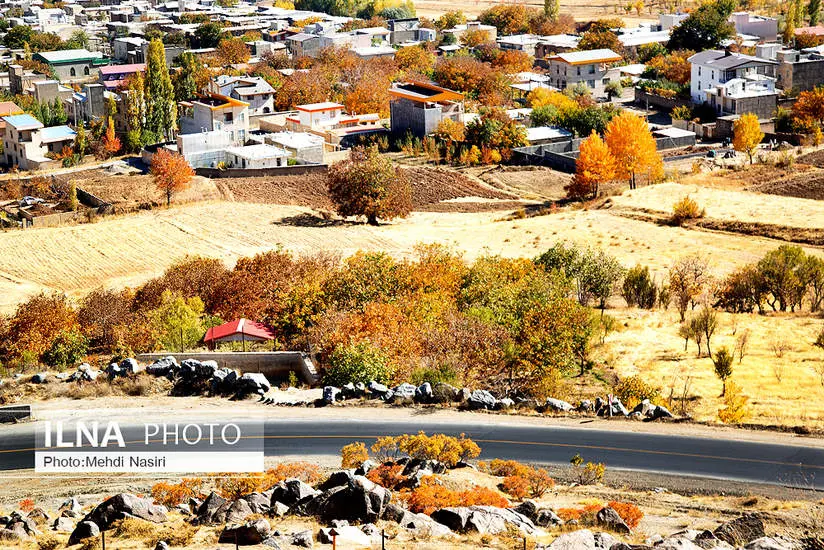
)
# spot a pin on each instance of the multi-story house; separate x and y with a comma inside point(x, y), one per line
point(72, 65)
point(209, 125)
point(460, 30)
point(593, 68)
point(418, 107)
point(711, 68)
point(404, 31)
point(799, 71)
point(253, 90)
point(765, 28)
point(26, 141)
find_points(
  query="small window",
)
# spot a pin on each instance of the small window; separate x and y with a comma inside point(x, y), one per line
point(73, 72)
point(579, 70)
point(592, 69)
point(699, 71)
point(86, 71)
point(591, 84)
point(229, 117)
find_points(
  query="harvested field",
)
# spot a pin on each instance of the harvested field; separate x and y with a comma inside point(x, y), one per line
point(529, 181)
point(128, 192)
point(430, 187)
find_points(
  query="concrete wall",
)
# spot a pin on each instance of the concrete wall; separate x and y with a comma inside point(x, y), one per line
point(645, 98)
point(804, 75)
point(273, 364)
point(410, 116)
point(297, 170)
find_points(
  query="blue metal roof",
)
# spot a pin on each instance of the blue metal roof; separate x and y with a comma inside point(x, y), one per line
point(57, 133)
point(24, 121)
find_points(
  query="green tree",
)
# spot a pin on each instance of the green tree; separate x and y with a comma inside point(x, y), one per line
point(782, 272)
point(81, 142)
point(552, 9)
point(185, 83)
point(79, 39)
point(161, 109)
point(357, 362)
point(639, 289)
point(178, 321)
point(813, 11)
point(58, 112)
point(67, 350)
point(18, 36)
point(208, 35)
point(705, 28)
point(135, 111)
point(722, 362)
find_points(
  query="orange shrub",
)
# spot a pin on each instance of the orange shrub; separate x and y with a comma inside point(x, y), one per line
point(232, 487)
point(539, 482)
point(506, 468)
point(304, 471)
point(482, 496)
point(387, 475)
point(26, 505)
point(431, 496)
point(629, 512)
point(353, 455)
point(172, 494)
point(515, 486)
point(583, 515)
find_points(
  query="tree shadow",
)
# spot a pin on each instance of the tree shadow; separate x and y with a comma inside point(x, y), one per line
point(313, 220)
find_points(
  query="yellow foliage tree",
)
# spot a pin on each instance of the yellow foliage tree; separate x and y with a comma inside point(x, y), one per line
point(447, 449)
point(353, 455)
point(631, 143)
point(595, 164)
point(747, 134)
point(735, 408)
point(542, 97)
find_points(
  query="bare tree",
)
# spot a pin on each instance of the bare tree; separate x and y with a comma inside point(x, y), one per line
point(741, 344)
point(688, 278)
point(818, 368)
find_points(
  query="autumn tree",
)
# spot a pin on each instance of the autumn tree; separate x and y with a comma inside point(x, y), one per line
point(161, 109)
point(507, 18)
point(303, 88)
point(450, 20)
point(135, 111)
point(810, 105)
point(747, 134)
point(36, 323)
point(595, 164)
point(81, 142)
point(789, 25)
point(494, 130)
point(600, 39)
point(704, 28)
point(631, 143)
point(185, 80)
point(415, 59)
point(813, 11)
point(688, 279)
point(171, 172)
point(233, 50)
point(178, 322)
point(104, 316)
point(208, 35)
point(552, 9)
point(110, 144)
point(367, 184)
point(674, 66)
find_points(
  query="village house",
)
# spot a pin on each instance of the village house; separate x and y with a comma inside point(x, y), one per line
point(593, 68)
point(253, 90)
point(331, 121)
point(418, 107)
point(115, 76)
point(799, 71)
point(73, 65)
point(209, 125)
point(460, 30)
point(406, 31)
point(733, 83)
point(26, 141)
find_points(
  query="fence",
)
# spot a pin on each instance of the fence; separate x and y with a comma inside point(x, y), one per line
point(296, 170)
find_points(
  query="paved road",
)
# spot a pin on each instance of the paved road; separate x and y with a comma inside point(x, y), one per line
point(749, 461)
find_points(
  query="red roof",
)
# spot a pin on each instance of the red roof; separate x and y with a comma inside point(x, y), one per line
point(238, 330)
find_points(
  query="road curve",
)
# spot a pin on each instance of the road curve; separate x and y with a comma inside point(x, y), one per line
point(706, 457)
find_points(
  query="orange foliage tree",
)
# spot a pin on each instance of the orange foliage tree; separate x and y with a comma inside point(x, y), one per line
point(353, 455)
point(368, 185)
point(630, 513)
point(673, 66)
point(415, 59)
point(447, 449)
point(36, 323)
point(233, 50)
point(513, 61)
point(303, 88)
point(595, 164)
point(110, 144)
point(171, 172)
point(810, 105)
point(433, 495)
point(631, 143)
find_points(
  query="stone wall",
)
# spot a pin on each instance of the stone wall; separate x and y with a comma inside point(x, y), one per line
point(296, 170)
point(273, 364)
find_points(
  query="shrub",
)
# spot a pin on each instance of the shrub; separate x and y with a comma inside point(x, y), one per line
point(48, 542)
point(506, 468)
point(632, 390)
point(178, 536)
point(442, 373)
point(735, 408)
point(686, 209)
point(359, 362)
point(639, 289)
point(629, 512)
point(233, 487)
point(26, 505)
point(135, 529)
point(515, 486)
point(353, 455)
point(587, 473)
point(584, 515)
point(388, 475)
point(682, 112)
point(172, 494)
point(430, 496)
point(447, 449)
point(539, 482)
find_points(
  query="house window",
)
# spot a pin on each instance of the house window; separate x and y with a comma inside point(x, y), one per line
point(591, 84)
point(228, 117)
point(699, 71)
point(73, 72)
point(86, 71)
point(579, 71)
point(592, 69)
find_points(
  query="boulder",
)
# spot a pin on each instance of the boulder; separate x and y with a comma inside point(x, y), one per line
point(302, 538)
point(63, 525)
point(371, 529)
point(483, 520)
point(506, 403)
point(366, 467)
point(423, 526)
point(377, 390)
point(527, 508)
point(291, 491)
point(84, 530)
point(337, 479)
point(279, 509)
point(582, 539)
point(424, 393)
point(237, 512)
point(773, 543)
point(129, 366)
point(70, 508)
point(272, 542)
point(259, 503)
point(206, 369)
point(330, 394)
point(651, 412)
point(482, 399)
point(547, 518)
point(742, 530)
point(350, 391)
point(9, 535)
point(359, 500)
point(404, 394)
point(609, 518)
point(345, 536)
point(213, 509)
point(677, 543)
point(417, 468)
point(162, 545)
point(558, 405)
point(443, 393)
point(38, 516)
point(253, 382)
point(40, 378)
point(123, 506)
point(604, 541)
point(164, 367)
point(248, 534)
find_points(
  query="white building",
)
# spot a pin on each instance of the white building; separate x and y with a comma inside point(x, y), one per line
point(765, 28)
point(254, 90)
point(256, 156)
point(713, 68)
point(26, 142)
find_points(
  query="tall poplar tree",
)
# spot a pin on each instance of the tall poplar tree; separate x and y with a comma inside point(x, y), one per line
point(161, 109)
point(552, 8)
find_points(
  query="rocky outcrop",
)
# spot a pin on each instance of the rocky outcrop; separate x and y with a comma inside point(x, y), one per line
point(119, 507)
point(582, 539)
point(358, 500)
point(609, 519)
point(248, 534)
point(742, 530)
point(483, 520)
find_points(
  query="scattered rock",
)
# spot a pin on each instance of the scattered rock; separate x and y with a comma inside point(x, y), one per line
point(404, 394)
point(346, 536)
point(123, 506)
point(162, 545)
point(129, 366)
point(40, 378)
point(377, 390)
point(63, 525)
point(330, 394)
point(443, 393)
point(742, 530)
point(483, 520)
point(359, 500)
point(254, 382)
point(248, 534)
point(773, 543)
point(366, 467)
point(424, 393)
point(38, 516)
point(279, 509)
point(212, 509)
point(482, 399)
point(237, 512)
point(609, 518)
point(302, 539)
point(84, 530)
point(547, 518)
point(164, 367)
point(558, 405)
point(604, 541)
point(71, 508)
point(582, 539)
point(291, 491)
point(506, 403)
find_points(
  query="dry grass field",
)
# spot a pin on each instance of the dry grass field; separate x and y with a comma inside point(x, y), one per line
point(582, 10)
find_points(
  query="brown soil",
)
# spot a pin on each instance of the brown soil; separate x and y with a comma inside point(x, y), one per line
point(430, 186)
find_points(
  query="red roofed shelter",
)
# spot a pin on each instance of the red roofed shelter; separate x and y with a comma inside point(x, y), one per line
point(239, 330)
